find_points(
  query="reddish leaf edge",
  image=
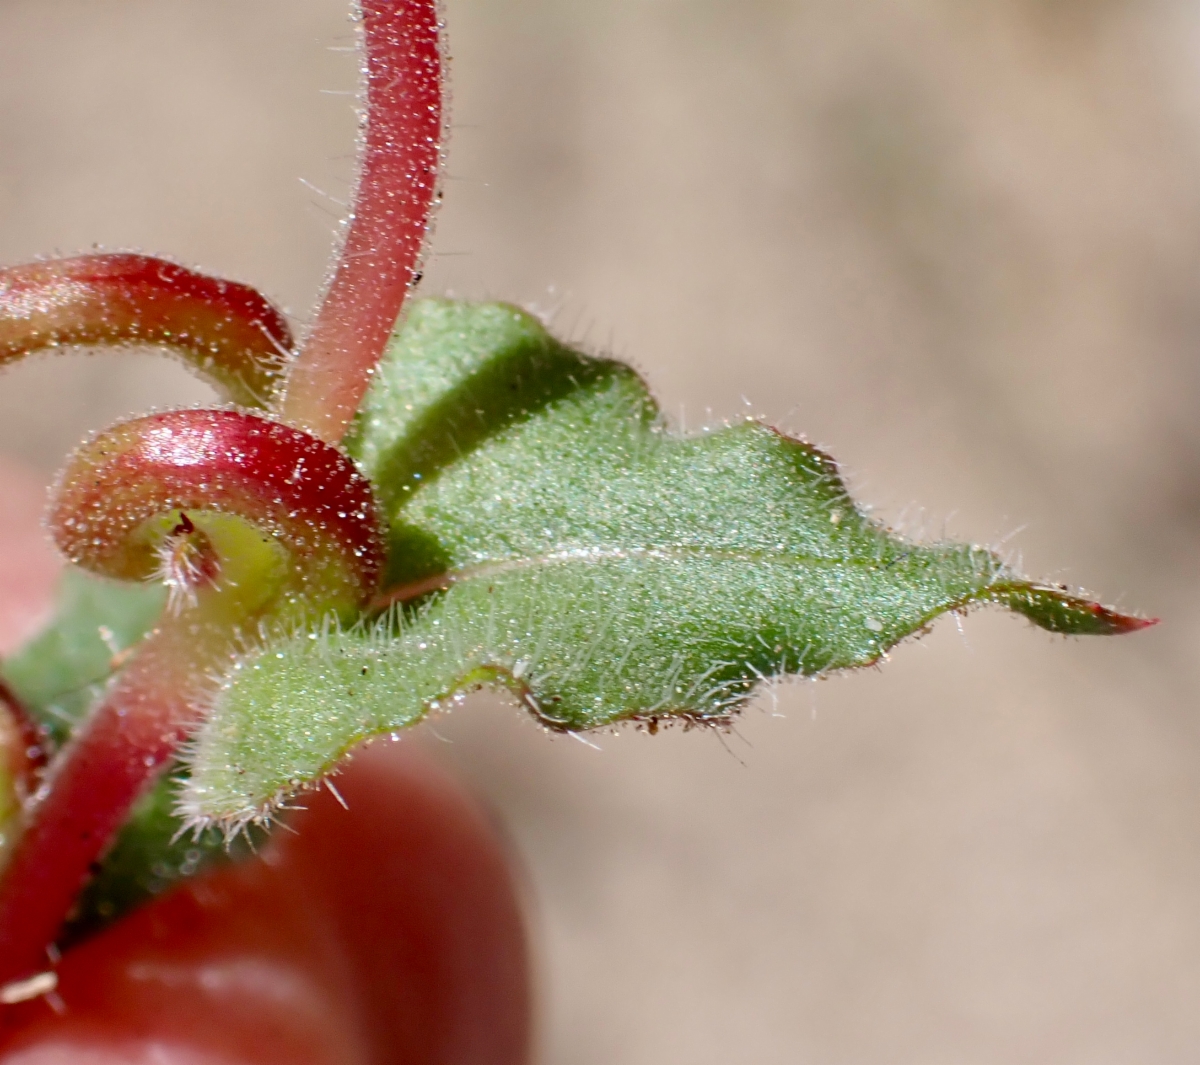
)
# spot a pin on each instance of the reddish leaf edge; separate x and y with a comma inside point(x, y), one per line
point(1058, 610)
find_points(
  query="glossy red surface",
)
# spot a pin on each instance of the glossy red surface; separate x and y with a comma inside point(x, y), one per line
point(293, 485)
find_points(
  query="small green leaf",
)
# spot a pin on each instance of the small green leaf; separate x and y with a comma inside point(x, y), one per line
point(562, 543)
point(58, 675)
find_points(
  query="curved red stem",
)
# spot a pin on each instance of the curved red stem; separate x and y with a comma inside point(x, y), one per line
point(228, 332)
point(302, 491)
point(292, 488)
point(396, 188)
point(299, 489)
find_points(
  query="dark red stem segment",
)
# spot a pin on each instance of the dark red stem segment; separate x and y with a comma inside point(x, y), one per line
point(228, 332)
point(396, 188)
point(118, 488)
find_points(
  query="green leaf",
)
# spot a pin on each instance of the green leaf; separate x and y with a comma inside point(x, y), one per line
point(61, 671)
point(560, 542)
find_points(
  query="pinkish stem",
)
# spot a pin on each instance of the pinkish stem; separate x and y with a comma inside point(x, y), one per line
point(396, 188)
point(124, 745)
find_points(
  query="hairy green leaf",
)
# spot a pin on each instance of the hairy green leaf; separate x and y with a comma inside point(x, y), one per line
point(550, 535)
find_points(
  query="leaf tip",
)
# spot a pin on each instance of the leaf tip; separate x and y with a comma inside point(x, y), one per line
point(1057, 610)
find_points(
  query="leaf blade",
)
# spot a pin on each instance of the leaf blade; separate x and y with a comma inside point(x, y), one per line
point(599, 566)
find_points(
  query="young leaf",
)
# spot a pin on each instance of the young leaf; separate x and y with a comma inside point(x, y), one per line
point(560, 542)
point(58, 674)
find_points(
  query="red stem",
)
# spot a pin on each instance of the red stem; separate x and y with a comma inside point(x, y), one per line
point(227, 331)
point(115, 493)
point(85, 799)
point(305, 493)
point(207, 460)
point(396, 187)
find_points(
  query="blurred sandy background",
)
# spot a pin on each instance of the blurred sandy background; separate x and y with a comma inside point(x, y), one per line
point(958, 244)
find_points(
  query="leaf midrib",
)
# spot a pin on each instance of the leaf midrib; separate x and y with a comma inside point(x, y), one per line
point(584, 556)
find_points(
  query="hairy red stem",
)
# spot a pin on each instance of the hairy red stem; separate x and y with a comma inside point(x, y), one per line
point(123, 494)
point(226, 331)
point(89, 792)
point(305, 493)
point(169, 479)
point(396, 188)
